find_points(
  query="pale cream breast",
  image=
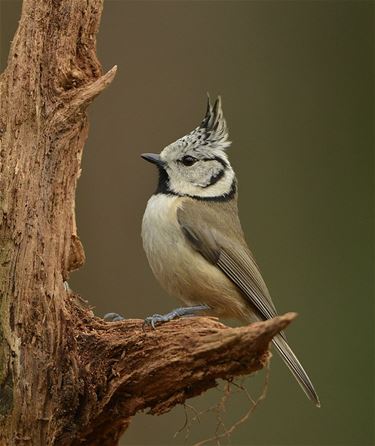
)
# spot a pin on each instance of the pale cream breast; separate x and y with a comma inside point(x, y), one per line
point(180, 270)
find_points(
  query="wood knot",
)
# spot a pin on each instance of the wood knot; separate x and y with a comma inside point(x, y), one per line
point(73, 79)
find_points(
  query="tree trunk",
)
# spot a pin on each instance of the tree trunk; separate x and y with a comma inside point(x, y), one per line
point(67, 377)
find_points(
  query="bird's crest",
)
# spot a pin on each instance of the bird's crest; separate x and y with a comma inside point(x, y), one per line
point(212, 132)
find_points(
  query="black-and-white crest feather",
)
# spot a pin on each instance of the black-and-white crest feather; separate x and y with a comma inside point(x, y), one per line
point(214, 128)
point(212, 132)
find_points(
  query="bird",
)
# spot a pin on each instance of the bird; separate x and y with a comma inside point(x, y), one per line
point(194, 242)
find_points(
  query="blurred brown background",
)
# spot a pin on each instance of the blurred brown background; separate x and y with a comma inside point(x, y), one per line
point(297, 85)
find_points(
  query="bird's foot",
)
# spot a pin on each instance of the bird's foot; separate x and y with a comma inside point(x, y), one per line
point(113, 317)
point(178, 312)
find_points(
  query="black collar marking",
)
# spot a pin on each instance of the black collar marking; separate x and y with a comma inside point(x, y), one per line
point(225, 197)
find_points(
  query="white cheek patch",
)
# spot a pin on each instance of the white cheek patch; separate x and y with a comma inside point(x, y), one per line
point(206, 171)
point(201, 173)
point(180, 185)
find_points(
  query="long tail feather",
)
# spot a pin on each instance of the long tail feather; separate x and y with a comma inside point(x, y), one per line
point(296, 368)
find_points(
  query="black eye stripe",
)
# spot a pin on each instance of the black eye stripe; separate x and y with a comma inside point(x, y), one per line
point(218, 159)
point(215, 158)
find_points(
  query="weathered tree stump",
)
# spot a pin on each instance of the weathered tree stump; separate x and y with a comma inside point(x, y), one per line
point(66, 376)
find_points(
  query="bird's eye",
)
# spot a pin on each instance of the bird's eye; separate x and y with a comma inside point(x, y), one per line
point(188, 160)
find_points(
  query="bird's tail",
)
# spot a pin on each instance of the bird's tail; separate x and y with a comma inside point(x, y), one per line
point(296, 368)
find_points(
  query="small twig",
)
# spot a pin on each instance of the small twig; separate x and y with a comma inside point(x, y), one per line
point(227, 433)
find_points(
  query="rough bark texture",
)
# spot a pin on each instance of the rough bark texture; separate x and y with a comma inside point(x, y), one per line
point(67, 377)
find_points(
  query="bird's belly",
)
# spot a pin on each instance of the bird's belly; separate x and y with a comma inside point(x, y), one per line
point(180, 270)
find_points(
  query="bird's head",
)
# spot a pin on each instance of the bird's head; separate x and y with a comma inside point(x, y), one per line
point(197, 165)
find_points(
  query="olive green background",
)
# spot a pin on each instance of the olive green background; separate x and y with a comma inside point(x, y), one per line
point(296, 80)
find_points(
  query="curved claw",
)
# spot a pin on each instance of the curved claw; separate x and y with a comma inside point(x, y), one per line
point(154, 319)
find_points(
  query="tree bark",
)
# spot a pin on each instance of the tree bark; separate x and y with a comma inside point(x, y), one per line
point(66, 376)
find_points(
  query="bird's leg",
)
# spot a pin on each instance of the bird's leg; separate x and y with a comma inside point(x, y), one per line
point(113, 317)
point(178, 312)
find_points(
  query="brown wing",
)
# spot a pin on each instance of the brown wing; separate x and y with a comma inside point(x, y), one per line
point(220, 241)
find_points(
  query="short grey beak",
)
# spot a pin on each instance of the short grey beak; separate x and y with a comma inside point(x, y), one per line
point(153, 158)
